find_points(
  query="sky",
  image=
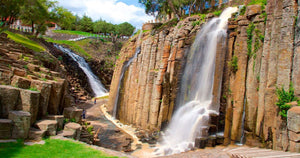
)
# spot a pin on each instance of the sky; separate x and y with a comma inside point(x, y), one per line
point(114, 11)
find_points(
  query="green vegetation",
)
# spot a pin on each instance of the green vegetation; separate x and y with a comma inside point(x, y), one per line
point(234, 64)
point(261, 2)
point(25, 41)
point(243, 10)
point(250, 30)
point(202, 19)
point(70, 32)
point(53, 148)
point(33, 89)
point(285, 97)
point(72, 46)
point(217, 13)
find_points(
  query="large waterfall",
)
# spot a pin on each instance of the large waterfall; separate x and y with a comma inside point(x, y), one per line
point(126, 64)
point(94, 81)
point(194, 104)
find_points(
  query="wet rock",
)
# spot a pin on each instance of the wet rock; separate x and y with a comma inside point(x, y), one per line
point(5, 128)
point(21, 124)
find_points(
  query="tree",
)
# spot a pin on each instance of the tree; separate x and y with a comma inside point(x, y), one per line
point(36, 12)
point(86, 24)
point(64, 18)
point(9, 10)
point(101, 26)
point(125, 29)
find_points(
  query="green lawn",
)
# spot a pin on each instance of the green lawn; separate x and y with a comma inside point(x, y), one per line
point(72, 45)
point(75, 33)
point(25, 41)
point(53, 148)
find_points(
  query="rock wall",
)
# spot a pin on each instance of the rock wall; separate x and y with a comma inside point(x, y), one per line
point(148, 93)
point(262, 40)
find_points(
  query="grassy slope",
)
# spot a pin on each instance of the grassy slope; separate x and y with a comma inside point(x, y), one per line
point(52, 148)
point(75, 33)
point(25, 41)
point(72, 45)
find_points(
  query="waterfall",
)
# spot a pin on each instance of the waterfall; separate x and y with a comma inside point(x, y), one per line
point(194, 104)
point(94, 81)
point(126, 64)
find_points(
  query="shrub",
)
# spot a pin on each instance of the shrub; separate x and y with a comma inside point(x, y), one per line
point(33, 89)
point(234, 64)
point(285, 97)
point(217, 13)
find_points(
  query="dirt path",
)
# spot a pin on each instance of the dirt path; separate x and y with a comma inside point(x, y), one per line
point(109, 135)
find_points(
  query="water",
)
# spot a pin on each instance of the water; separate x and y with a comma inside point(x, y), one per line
point(126, 64)
point(94, 81)
point(195, 99)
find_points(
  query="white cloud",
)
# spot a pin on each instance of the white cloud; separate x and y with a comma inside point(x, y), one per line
point(112, 11)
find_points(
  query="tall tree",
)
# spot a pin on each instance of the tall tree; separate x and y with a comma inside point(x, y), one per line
point(64, 18)
point(125, 29)
point(86, 24)
point(9, 10)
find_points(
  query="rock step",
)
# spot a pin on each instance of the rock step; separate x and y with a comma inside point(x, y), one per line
point(246, 152)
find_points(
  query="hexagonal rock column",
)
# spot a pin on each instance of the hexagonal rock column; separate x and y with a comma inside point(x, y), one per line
point(5, 128)
point(75, 127)
point(30, 103)
point(21, 123)
point(58, 118)
point(293, 122)
point(36, 134)
point(9, 99)
point(73, 113)
point(45, 89)
point(50, 126)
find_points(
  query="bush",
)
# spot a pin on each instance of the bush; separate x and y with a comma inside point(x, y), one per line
point(234, 64)
point(285, 97)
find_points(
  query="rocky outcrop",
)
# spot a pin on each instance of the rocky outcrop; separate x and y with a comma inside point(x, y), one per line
point(5, 128)
point(263, 43)
point(50, 126)
point(75, 128)
point(150, 84)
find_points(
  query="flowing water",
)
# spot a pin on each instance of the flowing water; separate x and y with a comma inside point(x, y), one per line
point(94, 81)
point(194, 104)
point(126, 64)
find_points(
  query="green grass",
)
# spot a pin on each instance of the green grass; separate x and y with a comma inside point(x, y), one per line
point(261, 2)
point(72, 45)
point(76, 33)
point(217, 13)
point(25, 41)
point(53, 148)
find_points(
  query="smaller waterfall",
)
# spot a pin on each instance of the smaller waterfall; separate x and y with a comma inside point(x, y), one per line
point(94, 81)
point(126, 64)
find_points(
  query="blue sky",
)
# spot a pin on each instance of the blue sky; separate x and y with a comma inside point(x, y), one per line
point(114, 11)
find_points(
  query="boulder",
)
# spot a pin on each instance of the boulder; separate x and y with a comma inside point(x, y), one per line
point(9, 99)
point(30, 103)
point(293, 118)
point(50, 126)
point(253, 10)
point(36, 134)
point(76, 127)
point(45, 89)
point(59, 119)
point(73, 113)
point(20, 82)
point(5, 128)
point(21, 124)
point(294, 136)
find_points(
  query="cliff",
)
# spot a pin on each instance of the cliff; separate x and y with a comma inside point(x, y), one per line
point(262, 55)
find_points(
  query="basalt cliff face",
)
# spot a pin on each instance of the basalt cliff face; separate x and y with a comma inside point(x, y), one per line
point(263, 53)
